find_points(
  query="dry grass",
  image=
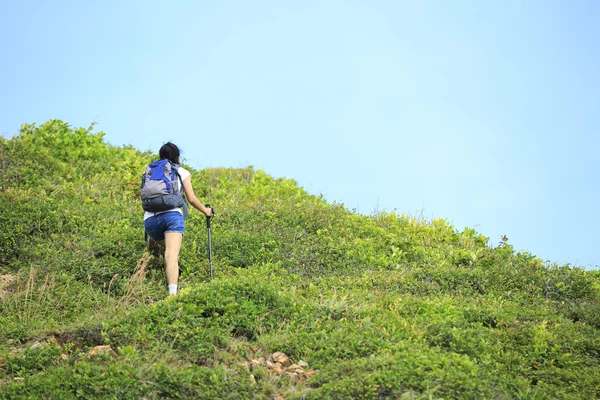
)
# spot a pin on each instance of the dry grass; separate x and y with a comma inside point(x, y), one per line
point(41, 302)
point(135, 285)
point(34, 296)
point(5, 281)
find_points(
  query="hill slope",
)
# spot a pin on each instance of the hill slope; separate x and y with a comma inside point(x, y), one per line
point(382, 306)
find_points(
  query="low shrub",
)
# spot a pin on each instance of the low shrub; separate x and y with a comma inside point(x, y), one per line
point(379, 306)
point(203, 319)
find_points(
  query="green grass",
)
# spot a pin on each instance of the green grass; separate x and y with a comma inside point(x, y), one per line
point(378, 306)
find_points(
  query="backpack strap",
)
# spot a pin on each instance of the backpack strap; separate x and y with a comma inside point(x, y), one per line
point(174, 167)
point(145, 232)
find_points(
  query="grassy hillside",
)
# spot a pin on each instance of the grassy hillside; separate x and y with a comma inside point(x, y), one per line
point(369, 307)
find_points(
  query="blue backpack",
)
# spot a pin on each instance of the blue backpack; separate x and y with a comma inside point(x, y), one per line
point(160, 191)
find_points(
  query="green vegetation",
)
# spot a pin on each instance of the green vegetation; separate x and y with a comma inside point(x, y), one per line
point(371, 307)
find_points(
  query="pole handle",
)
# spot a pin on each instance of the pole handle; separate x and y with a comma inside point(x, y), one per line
point(208, 217)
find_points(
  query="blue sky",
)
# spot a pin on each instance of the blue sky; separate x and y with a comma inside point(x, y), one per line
point(486, 113)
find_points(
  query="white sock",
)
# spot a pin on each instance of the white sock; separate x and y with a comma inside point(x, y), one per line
point(172, 288)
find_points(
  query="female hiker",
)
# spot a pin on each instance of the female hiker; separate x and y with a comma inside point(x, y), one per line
point(166, 227)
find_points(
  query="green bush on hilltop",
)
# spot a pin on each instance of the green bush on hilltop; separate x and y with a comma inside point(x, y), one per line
point(373, 307)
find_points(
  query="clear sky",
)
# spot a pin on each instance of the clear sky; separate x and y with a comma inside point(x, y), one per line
point(486, 113)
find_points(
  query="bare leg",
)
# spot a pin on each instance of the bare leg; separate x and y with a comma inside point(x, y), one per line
point(172, 247)
point(153, 244)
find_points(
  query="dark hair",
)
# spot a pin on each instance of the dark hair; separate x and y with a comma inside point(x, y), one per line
point(170, 152)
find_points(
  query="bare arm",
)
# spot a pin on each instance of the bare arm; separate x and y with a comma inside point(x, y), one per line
point(192, 199)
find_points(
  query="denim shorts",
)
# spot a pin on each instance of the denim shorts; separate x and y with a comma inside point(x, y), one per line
point(159, 224)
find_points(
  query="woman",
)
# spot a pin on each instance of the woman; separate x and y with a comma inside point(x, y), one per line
point(166, 227)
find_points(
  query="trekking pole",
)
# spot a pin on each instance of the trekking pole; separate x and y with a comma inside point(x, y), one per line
point(209, 244)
